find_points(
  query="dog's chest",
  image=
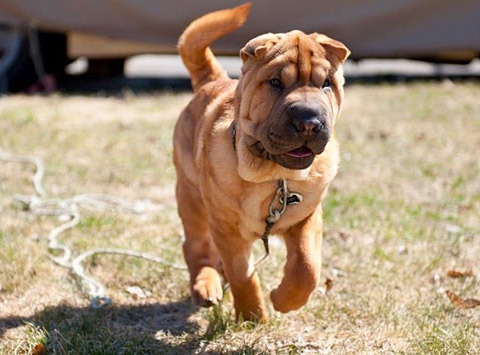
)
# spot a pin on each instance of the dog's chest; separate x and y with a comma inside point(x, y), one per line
point(255, 204)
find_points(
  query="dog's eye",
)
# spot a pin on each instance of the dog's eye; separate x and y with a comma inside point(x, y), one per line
point(326, 84)
point(276, 83)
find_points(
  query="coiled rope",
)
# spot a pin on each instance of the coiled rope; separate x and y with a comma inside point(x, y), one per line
point(69, 208)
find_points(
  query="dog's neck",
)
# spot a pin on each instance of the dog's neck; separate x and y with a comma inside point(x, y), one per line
point(256, 169)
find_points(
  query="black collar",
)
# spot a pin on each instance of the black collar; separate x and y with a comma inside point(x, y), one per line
point(234, 134)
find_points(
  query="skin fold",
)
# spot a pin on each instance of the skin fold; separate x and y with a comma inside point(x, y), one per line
point(285, 106)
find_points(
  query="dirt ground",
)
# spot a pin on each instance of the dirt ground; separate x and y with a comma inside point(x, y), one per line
point(403, 212)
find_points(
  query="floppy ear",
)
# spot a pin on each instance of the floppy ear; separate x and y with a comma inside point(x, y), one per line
point(337, 48)
point(258, 46)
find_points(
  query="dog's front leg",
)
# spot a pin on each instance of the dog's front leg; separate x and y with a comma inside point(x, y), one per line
point(302, 270)
point(240, 272)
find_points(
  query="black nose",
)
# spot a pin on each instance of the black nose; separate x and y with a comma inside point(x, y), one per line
point(306, 119)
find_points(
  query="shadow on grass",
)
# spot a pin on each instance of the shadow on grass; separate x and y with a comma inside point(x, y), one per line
point(117, 329)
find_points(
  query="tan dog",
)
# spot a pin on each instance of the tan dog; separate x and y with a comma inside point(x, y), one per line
point(284, 107)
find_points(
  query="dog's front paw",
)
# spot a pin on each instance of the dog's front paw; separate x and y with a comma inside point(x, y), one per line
point(207, 288)
point(278, 301)
point(288, 301)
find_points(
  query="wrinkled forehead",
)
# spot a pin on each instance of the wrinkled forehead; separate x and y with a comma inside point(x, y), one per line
point(296, 57)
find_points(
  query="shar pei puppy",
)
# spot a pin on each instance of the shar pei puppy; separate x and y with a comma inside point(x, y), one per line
point(254, 157)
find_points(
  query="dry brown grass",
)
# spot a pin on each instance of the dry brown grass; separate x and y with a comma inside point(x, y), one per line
point(403, 211)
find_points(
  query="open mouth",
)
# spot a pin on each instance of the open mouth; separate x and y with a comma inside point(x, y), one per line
point(302, 152)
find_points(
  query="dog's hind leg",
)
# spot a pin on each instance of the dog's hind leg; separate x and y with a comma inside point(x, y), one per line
point(199, 251)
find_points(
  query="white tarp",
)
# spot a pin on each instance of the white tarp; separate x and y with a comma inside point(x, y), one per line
point(394, 28)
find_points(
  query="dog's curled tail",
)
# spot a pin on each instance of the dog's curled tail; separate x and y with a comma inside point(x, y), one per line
point(194, 43)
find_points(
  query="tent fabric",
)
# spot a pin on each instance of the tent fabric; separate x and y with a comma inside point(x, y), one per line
point(394, 28)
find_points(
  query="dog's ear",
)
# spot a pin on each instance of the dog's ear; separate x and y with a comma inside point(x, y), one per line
point(338, 49)
point(257, 47)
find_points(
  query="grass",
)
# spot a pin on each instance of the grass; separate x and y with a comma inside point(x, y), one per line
point(403, 211)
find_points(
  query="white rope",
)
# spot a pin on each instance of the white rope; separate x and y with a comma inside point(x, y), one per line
point(40, 169)
point(69, 208)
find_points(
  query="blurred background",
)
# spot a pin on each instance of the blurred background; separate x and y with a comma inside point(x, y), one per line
point(94, 45)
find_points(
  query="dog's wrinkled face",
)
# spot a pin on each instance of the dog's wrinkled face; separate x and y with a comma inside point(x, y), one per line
point(289, 95)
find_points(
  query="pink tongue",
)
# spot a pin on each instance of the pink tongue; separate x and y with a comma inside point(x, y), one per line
point(301, 152)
